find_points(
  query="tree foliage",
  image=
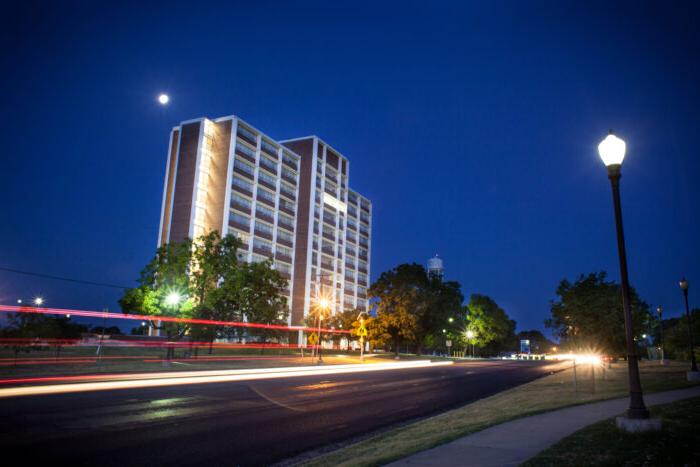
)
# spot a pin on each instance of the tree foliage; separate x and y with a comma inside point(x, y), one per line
point(215, 286)
point(493, 329)
point(589, 314)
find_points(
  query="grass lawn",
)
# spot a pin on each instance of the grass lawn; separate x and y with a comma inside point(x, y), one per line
point(603, 444)
point(548, 393)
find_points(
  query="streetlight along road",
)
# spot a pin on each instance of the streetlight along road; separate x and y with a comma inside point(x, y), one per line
point(693, 374)
point(612, 152)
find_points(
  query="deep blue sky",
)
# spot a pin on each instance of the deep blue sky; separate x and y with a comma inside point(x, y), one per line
point(472, 126)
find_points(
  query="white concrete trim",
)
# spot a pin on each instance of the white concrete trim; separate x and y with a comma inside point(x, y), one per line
point(165, 188)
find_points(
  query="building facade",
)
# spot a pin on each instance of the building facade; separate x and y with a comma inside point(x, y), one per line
point(288, 201)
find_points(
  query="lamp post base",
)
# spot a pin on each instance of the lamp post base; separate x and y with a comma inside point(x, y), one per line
point(693, 375)
point(638, 425)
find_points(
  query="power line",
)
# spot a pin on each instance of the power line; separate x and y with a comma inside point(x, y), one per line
point(66, 279)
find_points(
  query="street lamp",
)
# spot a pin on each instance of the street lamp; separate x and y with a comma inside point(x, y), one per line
point(323, 304)
point(470, 336)
point(660, 311)
point(693, 365)
point(612, 152)
point(38, 301)
point(173, 299)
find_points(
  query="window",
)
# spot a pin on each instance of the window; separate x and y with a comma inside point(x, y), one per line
point(245, 167)
point(284, 236)
point(268, 147)
point(244, 237)
point(286, 157)
point(264, 211)
point(352, 197)
point(241, 202)
point(259, 258)
point(362, 278)
point(363, 252)
point(262, 245)
point(285, 220)
point(287, 205)
point(284, 268)
point(289, 174)
point(245, 132)
point(269, 179)
point(269, 164)
point(287, 190)
point(284, 251)
point(240, 219)
point(244, 184)
point(262, 227)
point(245, 149)
point(266, 195)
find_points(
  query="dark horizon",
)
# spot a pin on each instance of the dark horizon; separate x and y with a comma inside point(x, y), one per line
point(472, 128)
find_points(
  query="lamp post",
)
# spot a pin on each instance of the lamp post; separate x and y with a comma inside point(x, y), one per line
point(660, 312)
point(470, 336)
point(693, 365)
point(323, 304)
point(612, 152)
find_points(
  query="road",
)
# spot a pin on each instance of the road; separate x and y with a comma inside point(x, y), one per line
point(238, 423)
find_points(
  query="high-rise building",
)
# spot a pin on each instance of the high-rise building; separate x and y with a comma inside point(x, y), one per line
point(288, 201)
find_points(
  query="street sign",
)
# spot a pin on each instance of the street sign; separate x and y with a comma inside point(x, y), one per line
point(312, 339)
point(362, 331)
point(448, 343)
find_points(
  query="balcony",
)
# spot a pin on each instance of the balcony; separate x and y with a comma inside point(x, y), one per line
point(263, 234)
point(262, 250)
point(289, 178)
point(328, 236)
point(248, 137)
point(267, 201)
point(239, 225)
point(267, 183)
point(240, 207)
point(268, 165)
point(285, 242)
point(242, 190)
point(245, 156)
point(285, 225)
point(264, 216)
point(283, 257)
point(241, 171)
point(286, 209)
point(328, 251)
point(288, 194)
point(290, 163)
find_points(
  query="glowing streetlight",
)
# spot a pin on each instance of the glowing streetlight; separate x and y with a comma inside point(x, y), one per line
point(163, 99)
point(173, 299)
point(19, 301)
point(38, 301)
point(470, 336)
point(451, 320)
point(612, 152)
point(323, 305)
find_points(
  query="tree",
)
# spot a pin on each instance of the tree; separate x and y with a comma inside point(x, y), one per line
point(441, 308)
point(589, 314)
point(676, 338)
point(165, 274)
point(214, 286)
point(493, 329)
point(258, 291)
point(398, 292)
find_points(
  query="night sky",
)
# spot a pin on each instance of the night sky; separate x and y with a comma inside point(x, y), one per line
point(473, 127)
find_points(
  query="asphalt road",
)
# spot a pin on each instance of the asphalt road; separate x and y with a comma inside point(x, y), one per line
point(237, 423)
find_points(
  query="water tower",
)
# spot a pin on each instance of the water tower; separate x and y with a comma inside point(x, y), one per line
point(435, 267)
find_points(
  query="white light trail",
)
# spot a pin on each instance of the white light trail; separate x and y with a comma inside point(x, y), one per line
point(149, 380)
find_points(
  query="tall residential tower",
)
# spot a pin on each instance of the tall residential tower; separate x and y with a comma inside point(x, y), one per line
point(288, 201)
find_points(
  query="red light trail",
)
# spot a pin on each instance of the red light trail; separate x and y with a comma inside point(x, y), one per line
point(167, 319)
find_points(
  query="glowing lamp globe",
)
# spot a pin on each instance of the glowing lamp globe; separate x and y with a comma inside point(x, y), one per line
point(172, 299)
point(612, 150)
point(324, 303)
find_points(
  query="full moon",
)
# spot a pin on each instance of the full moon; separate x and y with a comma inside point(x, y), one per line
point(163, 99)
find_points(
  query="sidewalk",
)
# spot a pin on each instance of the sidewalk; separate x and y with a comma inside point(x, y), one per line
point(514, 442)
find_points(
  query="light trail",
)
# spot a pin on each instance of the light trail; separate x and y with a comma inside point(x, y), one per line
point(166, 319)
point(149, 380)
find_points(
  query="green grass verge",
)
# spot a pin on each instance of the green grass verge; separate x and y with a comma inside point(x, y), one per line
point(548, 393)
point(603, 444)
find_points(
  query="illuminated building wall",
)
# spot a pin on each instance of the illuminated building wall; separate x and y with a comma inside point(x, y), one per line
point(288, 201)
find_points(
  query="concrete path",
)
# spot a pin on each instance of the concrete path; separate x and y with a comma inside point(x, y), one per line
point(514, 442)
